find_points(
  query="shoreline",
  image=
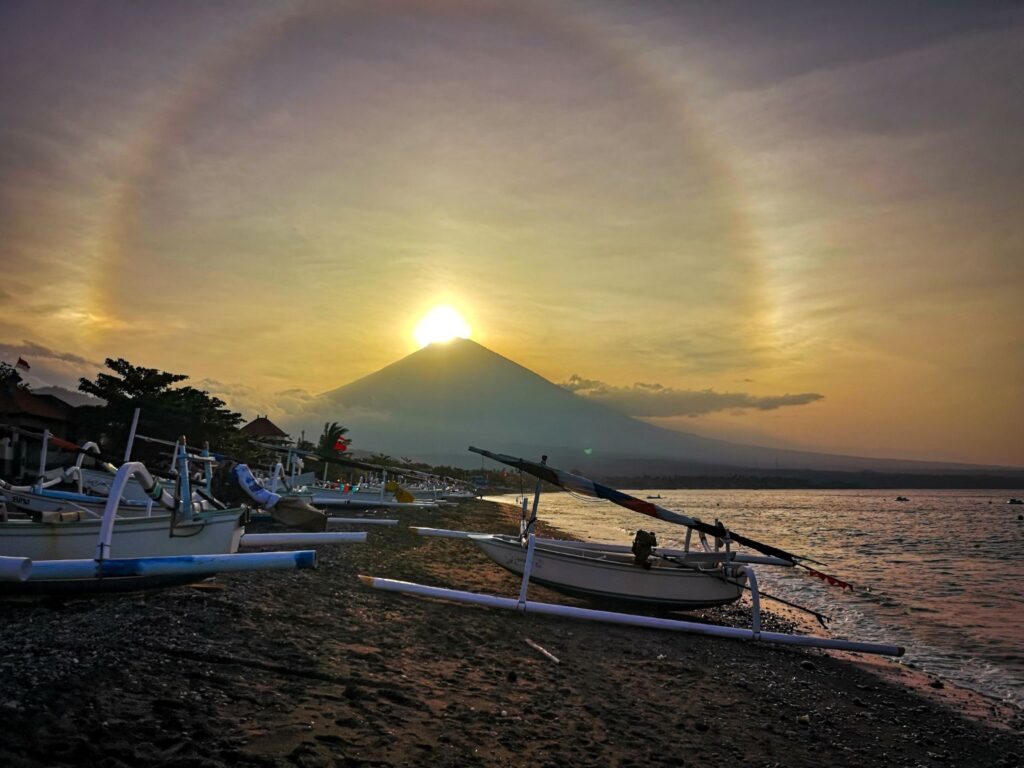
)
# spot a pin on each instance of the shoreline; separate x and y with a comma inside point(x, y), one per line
point(313, 669)
point(988, 710)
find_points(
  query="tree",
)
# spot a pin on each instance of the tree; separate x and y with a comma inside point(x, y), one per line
point(167, 411)
point(332, 442)
point(446, 471)
point(9, 377)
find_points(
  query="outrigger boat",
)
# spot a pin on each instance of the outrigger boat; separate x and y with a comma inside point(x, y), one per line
point(72, 551)
point(688, 581)
point(292, 507)
point(388, 495)
point(643, 574)
point(44, 501)
point(48, 496)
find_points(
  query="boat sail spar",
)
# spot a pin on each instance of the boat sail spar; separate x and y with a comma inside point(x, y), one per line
point(588, 487)
point(644, 574)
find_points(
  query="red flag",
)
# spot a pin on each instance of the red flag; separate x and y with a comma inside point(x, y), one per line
point(22, 364)
point(341, 444)
point(832, 580)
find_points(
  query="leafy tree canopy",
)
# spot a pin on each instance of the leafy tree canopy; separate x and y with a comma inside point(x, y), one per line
point(332, 443)
point(167, 411)
point(332, 440)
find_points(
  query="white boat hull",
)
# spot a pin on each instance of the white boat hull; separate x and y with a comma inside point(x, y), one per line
point(34, 503)
point(612, 575)
point(320, 500)
point(421, 495)
point(329, 497)
point(211, 533)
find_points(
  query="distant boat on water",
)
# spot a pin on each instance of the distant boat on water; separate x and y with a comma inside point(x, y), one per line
point(1014, 501)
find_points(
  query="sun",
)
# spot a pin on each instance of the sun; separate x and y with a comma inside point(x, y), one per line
point(442, 323)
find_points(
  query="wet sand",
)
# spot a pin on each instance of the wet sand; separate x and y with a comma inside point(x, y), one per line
point(314, 669)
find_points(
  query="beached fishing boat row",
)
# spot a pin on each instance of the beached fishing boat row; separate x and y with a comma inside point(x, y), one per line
point(147, 532)
point(54, 540)
point(374, 490)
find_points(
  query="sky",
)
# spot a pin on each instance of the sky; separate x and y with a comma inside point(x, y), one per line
point(798, 225)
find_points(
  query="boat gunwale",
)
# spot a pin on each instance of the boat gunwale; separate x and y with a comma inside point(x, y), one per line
point(24, 526)
point(663, 574)
point(591, 556)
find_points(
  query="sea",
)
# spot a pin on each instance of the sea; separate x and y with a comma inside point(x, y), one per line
point(941, 574)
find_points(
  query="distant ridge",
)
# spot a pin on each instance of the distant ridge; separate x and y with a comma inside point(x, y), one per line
point(438, 400)
point(68, 396)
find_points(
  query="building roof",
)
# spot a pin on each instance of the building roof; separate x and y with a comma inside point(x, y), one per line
point(15, 401)
point(261, 426)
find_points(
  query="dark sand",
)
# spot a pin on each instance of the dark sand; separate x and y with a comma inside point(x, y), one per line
point(314, 669)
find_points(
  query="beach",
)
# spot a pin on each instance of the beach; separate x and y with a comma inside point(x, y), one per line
point(315, 669)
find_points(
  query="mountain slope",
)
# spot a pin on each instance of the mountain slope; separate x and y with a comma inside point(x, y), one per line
point(435, 402)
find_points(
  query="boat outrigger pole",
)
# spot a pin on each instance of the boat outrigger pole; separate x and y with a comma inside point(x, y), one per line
point(587, 487)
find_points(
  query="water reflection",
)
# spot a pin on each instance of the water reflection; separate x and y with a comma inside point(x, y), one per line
point(942, 574)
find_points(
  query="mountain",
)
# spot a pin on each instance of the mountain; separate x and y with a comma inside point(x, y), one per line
point(434, 403)
point(68, 396)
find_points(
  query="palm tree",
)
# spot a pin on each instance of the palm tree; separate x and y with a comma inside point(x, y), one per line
point(332, 442)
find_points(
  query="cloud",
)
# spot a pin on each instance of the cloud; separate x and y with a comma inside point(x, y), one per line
point(293, 409)
point(655, 400)
point(251, 401)
point(49, 366)
point(37, 351)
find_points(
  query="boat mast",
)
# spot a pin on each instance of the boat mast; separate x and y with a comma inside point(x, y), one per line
point(530, 524)
point(42, 461)
point(131, 436)
point(184, 486)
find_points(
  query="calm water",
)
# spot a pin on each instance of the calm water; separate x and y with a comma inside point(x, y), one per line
point(942, 574)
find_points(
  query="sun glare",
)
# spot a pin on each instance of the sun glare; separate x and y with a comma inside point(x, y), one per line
point(441, 324)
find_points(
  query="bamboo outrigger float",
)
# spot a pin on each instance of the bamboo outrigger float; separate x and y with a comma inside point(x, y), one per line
point(642, 574)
